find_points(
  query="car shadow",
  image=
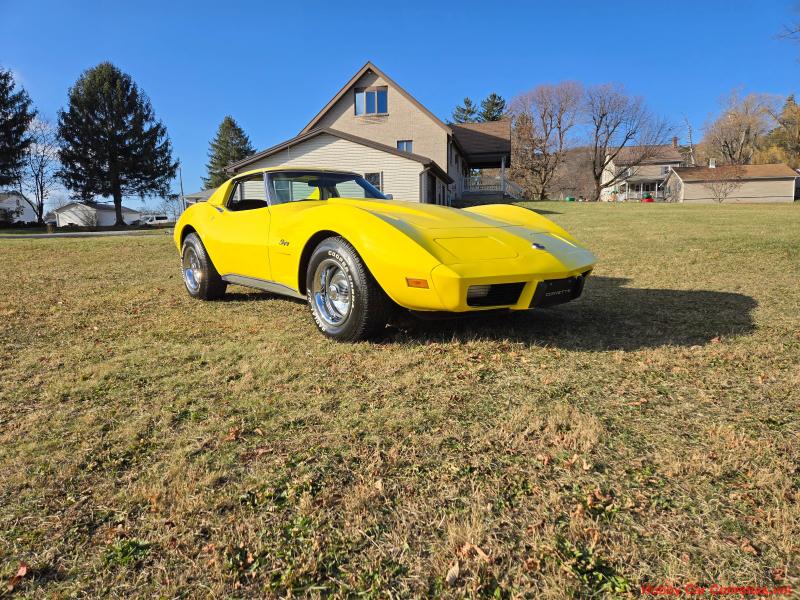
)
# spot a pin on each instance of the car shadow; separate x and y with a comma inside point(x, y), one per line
point(609, 316)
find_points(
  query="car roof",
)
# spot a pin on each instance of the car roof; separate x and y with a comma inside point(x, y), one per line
point(293, 170)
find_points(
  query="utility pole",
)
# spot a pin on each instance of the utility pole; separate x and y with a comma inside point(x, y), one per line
point(180, 178)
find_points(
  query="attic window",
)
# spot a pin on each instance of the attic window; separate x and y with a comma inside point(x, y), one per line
point(372, 101)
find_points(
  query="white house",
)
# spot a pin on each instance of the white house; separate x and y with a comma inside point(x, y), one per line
point(17, 208)
point(92, 215)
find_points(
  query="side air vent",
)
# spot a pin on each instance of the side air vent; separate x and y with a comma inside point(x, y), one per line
point(498, 294)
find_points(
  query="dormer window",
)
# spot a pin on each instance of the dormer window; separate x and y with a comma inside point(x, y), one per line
point(372, 101)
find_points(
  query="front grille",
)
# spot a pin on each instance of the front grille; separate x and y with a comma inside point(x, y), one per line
point(498, 294)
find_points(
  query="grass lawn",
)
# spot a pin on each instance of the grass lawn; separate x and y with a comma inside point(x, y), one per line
point(152, 445)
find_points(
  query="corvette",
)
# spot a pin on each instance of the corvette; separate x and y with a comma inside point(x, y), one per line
point(354, 255)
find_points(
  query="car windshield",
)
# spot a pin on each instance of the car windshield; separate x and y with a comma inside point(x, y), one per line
point(294, 186)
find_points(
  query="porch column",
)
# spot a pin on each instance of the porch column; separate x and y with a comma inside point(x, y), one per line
point(503, 175)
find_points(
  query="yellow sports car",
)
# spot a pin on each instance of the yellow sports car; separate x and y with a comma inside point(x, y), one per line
point(354, 254)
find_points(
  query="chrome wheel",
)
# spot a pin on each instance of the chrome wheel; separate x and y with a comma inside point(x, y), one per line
point(192, 273)
point(332, 293)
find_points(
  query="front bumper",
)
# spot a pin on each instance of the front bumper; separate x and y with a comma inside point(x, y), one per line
point(538, 289)
point(550, 273)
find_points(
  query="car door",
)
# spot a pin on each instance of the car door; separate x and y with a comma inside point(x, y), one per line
point(238, 236)
point(290, 198)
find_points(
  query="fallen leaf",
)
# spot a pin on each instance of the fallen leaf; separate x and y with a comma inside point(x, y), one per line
point(452, 574)
point(748, 547)
point(21, 573)
point(233, 434)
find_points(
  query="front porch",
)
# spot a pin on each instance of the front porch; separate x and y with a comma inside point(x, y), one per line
point(634, 191)
point(481, 168)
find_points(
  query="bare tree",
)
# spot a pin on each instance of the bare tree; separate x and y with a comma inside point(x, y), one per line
point(39, 170)
point(543, 119)
point(735, 135)
point(620, 126)
point(722, 182)
point(171, 206)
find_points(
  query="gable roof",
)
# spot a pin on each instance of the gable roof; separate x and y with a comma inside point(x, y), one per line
point(660, 154)
point(98, 207)
point(369, 67)
point(201, 195)
point(485, 139)
point(425, 161)
point(771, 171)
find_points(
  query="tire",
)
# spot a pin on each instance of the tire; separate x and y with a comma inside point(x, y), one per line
point(346, 302)
point(199, 275)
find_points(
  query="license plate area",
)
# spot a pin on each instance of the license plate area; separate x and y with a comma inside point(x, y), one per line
point(557, 291)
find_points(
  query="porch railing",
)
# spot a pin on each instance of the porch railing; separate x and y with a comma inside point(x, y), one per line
point(657, 195)
point(485, 183)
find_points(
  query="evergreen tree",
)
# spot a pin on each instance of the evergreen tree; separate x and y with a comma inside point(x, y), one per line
point(465, 113)
point(16, 115)
point(111, 143)
point(493, 108)
point(231, 144)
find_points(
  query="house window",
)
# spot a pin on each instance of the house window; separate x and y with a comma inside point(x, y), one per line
point(405, 145)
point(376, 179)
point(372, 101)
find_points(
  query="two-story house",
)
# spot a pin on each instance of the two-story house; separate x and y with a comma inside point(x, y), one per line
point(645, 178)
point(373, 126)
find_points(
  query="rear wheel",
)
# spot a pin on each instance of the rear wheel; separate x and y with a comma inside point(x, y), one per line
point(346, 302)
point(199, 275)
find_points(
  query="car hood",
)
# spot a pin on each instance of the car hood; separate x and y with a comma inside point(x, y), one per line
point(422, 216)
point(456, 236)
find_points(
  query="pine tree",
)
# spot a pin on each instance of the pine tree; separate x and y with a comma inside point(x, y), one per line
point(465, 113)
point(231, 144)
point(493, 108)
point(112, 144)
point(16, 115)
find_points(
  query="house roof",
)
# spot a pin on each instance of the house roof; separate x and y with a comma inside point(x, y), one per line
point(369, 67)
point(201, 195)
point(427, 162)
point(660, 154)
point(771, 171)
point(483, 140)
point(98, 206)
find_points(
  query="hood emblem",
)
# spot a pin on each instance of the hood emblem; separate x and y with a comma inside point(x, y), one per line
point(537, 246)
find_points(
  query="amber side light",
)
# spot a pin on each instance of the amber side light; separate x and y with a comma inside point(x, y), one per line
point(417, 283)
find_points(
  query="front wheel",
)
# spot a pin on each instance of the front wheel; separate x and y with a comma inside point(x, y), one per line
point(346, 302)
point(199, 275)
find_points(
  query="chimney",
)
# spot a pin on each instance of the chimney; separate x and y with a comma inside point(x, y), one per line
point(712, 163)
point(675, 142)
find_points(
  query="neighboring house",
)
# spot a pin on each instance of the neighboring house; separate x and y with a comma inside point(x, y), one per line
point(374, 127)
point(14, 207)
point(643, 179)
point(745, 183)
point(200, 196)
point(92, 215)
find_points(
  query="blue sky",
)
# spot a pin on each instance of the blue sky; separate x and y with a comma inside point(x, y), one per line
point(273, 66)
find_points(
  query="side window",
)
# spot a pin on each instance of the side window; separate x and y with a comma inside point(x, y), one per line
point(248, 194)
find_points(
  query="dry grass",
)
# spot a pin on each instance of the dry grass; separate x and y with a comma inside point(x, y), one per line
point(151, 445)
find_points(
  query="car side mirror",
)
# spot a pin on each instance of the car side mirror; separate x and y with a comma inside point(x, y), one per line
point(388, 196)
